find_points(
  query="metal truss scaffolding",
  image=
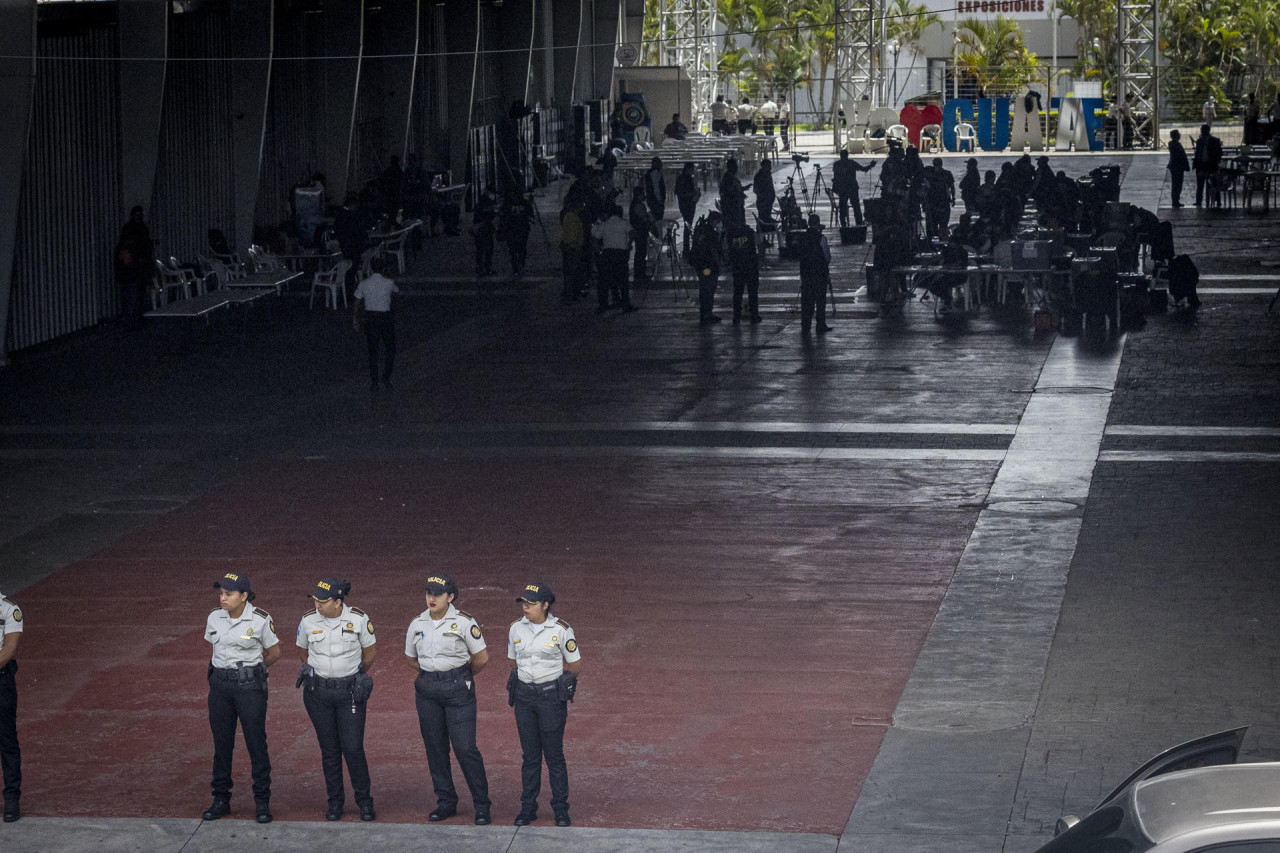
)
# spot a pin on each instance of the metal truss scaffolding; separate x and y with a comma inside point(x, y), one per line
point(688, 29)
point(855, 57)
point(1138, 37)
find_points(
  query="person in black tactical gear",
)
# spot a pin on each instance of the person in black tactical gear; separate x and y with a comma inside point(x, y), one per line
point(745, 263)
point(687, 194)
point(483, 230)
point(844, 183)
point(815, 274)
point(732, 197)
point(704, 255)
point(766, 195)
point(642, 225)
point(517, 218)
point(940, 195)
point(655, 190)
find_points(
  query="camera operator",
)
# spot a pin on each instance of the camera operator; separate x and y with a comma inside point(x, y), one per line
point(766, 195)
point(844, 182)
point(705, 258)
point(687, 195)
point(732, 196)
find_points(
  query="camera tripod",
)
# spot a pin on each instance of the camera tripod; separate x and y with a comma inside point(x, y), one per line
point(667, 243)
point(819, 186)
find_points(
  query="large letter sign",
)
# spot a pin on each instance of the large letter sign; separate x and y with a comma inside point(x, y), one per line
point(1077, 123)
point(955, 111)
point(997, 138)
point(1027, 129)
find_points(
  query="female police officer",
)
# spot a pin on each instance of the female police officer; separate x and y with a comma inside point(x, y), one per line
point(10, 754)
point(543, 680)
point(336, 645)
point(244, 645)
point(445, 646)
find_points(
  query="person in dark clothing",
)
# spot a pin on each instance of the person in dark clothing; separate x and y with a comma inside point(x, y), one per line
point(815, 275)
point(969, 185)
point(687, 195)
point(642, 225)
point(844, 183)
point(732, 196)
point(745, 263)
point(986, 199)
point(1178, 166)
point(483, 228)
point(676, 129)
point(766, 195)
point(135, 266)
point(655, 190)
point(1206, 161)
point(940, 195)
point(517, 217)
point(352, 237)
point(704, 255)
point(391, 182)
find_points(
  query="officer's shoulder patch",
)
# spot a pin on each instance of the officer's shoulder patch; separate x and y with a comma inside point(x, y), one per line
point(258, 611)
point(571, 646)
point(17, 614)
point(467, 615)
point(358, 611)
point(475, 631)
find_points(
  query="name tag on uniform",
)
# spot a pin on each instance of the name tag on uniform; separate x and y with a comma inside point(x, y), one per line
point(318, 631)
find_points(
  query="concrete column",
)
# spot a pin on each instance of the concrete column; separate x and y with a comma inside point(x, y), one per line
point(343, 37)
point(604, 36)
point(460, 37)
point(17, 82)
point(566, 22)
point(143, 33)
point(253, 46)
point(401, 27)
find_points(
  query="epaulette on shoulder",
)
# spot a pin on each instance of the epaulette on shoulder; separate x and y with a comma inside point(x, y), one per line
point(310, 612)
point(214, 610)
point(467, 615)
point(357, 611)
point(564, 624)
point(515, 623)
point(258, 611)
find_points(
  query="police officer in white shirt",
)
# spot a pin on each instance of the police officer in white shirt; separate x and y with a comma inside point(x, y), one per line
point(768, 113)
point(719, 115)
point(337, 648)
point(784, 121)
point(615, 237)
point(244, 644)
point(543, 681)
point(444, 645)
point(10, 755)
point(373, 300)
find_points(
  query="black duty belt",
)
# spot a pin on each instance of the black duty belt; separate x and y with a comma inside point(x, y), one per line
point(537, 689)
point(343, 683)
point(232, 673)
point(448, 674)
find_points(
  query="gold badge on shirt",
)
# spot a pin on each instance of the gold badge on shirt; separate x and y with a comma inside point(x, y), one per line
point(351, 626)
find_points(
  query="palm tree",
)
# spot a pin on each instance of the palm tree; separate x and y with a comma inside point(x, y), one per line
point(993, 53)
point(907, 25)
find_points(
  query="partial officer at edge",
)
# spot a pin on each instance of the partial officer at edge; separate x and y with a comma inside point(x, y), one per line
point(244, 644)
point(10, 754)
point(542, 682)
point(445, 647)
point(337, 648)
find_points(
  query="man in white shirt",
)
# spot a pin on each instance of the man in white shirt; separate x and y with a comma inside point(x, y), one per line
point(373, 303)
point(719, 112)
point(745, 113)
point(614, 235)
point(768, 113)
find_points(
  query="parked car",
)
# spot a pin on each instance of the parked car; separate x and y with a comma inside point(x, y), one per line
point(1193, 798)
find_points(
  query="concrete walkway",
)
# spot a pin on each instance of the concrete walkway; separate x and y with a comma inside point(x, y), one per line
point(978, 558)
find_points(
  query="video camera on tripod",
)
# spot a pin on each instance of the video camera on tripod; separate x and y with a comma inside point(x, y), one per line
point(800, 157)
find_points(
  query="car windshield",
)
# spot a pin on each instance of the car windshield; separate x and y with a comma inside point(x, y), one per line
point(1168, 806)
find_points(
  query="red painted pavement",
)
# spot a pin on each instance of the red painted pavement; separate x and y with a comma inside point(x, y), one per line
point(746, 629)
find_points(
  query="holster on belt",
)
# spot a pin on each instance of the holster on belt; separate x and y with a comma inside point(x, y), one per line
point(566, 686)
point(250, 674)
point(513, 683)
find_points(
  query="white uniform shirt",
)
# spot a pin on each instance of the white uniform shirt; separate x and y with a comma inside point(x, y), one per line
point(784, 111)
point(746, 111)
point(334, 645)
point(440, 648)
point(10, 618)
point(376, 292)
point(614, 233)
point(719, 110)
point(768, 109)
point(242, 640)
point(540, 651)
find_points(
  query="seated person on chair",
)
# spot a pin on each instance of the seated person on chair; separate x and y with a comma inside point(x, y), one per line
point(676, 129)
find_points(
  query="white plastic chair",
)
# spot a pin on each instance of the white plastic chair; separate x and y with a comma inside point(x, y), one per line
point(930, 138)
point(898, 132)
point(965, 134)
point(641, 134)
point(263, 261)
point(334, 283)
point(395, 249)
point(173, 280)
